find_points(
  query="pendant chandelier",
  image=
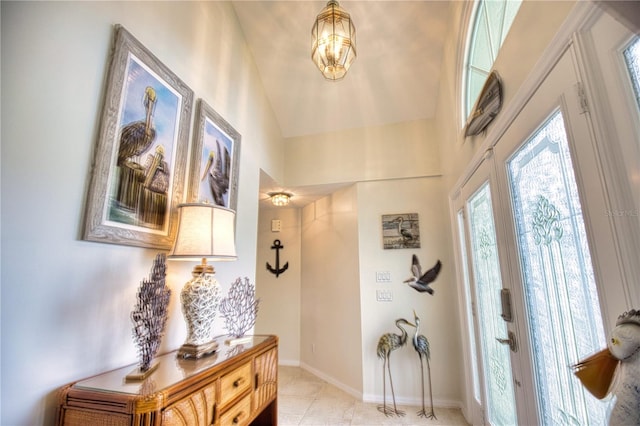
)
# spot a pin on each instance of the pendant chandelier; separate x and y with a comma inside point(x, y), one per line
point(333, 46)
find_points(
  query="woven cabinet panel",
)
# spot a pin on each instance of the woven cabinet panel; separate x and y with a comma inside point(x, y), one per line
point(266, 369)
point(74, 417)
point(197, 410)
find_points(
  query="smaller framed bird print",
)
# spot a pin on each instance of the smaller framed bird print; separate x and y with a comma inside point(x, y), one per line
point(138, 172)
point(400, 231)
point(215, 159)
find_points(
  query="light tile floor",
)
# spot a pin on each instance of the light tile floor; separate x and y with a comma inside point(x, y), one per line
point(304, 399)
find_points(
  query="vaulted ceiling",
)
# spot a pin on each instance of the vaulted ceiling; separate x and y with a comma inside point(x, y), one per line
point(395, 77)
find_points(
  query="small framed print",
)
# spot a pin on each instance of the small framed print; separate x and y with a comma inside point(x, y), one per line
point(215, 159)
point(400, 231)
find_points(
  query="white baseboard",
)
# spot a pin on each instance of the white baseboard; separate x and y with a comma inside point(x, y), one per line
point(353, 392)
point(413, 401)
point(289, 363)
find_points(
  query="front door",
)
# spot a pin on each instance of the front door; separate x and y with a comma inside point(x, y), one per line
point(528, 215)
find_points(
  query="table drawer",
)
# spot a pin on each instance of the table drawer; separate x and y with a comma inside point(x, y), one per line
point(234, 384)
point(196, 410)
point(238, 414)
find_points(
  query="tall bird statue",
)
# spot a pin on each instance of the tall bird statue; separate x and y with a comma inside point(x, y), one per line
point(419, 281)
point(622, 358)
point(421, 345)
point(136, 137)
point(388, 343)
point(217, 173)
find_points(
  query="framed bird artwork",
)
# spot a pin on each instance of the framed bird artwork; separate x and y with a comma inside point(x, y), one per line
point(215, 159)
point(400, 231)
point(141, 155)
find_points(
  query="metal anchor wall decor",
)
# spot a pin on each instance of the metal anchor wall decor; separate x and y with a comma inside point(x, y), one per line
point(277, 270)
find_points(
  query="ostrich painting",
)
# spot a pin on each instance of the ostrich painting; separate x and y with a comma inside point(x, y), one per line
point(388, 343)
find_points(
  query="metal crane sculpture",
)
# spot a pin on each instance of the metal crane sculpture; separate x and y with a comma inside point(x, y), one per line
point(217, 173)
point(137, 137)
point(388, 343)
point(419, 281)
point(421, 345)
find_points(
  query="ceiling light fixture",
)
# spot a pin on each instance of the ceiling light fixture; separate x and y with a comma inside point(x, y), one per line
point(333, 47)
point(280, 199)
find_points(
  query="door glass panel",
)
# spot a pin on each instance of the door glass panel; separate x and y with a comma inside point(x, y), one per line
point(563, 312)
point(632, 59)
point(500, 400)
point(467, 287)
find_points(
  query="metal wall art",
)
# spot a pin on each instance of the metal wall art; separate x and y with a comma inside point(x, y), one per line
point(277, 270)
point(487, 106)
point(215, 160)
point(400, 231)
point(149, 317)
point(240, 307)
point(140, 159)
point(419, 281)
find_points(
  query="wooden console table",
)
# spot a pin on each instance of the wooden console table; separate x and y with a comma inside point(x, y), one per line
point(237, 385)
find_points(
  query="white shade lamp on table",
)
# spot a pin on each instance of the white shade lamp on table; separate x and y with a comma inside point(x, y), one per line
point(205, 232)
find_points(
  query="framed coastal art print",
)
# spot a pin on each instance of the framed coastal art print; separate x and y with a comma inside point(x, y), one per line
point(400, 231)
point(141, 153)
point(215, 158)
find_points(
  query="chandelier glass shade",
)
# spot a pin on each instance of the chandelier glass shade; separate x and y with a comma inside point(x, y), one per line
point(333, 47)
point(280, 199)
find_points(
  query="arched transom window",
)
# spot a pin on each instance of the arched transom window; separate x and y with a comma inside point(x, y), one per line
point(490, 24)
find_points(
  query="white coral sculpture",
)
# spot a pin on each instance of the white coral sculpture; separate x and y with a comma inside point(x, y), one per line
point(150, 313)
point(240, 307)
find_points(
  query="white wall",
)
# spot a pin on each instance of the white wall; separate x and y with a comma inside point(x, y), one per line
point(386, 152)
point(438, 312)
point(397, 168)
point(532, 30)
point(330, 309)
point(279, 309)
point(66, 302)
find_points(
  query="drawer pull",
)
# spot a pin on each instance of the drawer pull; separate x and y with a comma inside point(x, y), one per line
point(237, 418)
point(238, 382)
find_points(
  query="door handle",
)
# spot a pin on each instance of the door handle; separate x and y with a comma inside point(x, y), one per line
point(511, 341)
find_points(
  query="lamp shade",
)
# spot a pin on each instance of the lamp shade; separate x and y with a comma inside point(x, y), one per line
point(205, 231)
point(333, 41)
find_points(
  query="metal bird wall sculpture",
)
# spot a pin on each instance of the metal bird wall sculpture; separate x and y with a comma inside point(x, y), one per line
point(622, 358)
point(388, 343)
point(421, 345)
point(217, 172)
point(419, 281)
